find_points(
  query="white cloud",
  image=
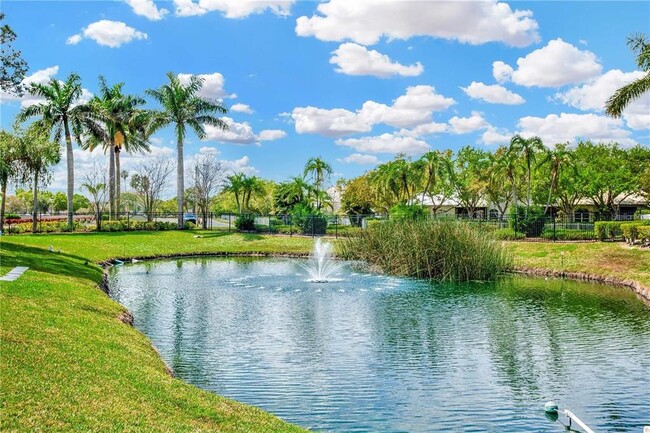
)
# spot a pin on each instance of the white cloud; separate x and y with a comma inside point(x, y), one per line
point(494, 94)
point(571, 127)
point(594, 94)
point(148, 9)
point(108, 33)
point(501, 71)
point(271, 135)
point(413, 108)
point(212, 85)
point(494, 136)
point(425, 129)
point(464, 125)
point(360, 158)
point(386, 143)
point(355, 59)
point(42, 76)
point(242, 108)
point(241, 165)
point(554, 65)
point(74, 39)
point(233, 8)
point(366, 21)
point(241, 133)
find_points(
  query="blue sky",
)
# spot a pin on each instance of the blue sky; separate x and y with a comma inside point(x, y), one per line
point(353, 82)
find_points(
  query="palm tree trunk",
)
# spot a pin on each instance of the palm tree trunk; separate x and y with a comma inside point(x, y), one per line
point(70, 167)
point(5, 180)
point(111, 181)
point(118, 185)
point(35, 203)
point(550, 191)
point(180, 185)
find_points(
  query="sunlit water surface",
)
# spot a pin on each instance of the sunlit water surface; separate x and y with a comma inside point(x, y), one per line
point(371, 353)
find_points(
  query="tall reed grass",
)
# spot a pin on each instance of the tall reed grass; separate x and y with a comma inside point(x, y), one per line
point(445, 250)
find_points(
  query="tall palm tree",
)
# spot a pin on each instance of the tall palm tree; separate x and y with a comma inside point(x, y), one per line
point(527, 149)
point(63, 113)
point(116, 122)
point(559, 157)
point(235, 185)
point(617, 103)
point(319, 171)
point(184, 108)
point(510, 163)
point(434, 164)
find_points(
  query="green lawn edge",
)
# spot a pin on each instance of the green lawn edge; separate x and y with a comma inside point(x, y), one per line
point(68, 364)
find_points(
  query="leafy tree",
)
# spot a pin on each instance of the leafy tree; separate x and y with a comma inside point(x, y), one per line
point(470, 173)
point(498, 175)
point(80, 202)
point(356, 198)
point(207, 181)
point(59, 202)
point(319, 171)
point(8, 166)
point(95, 184)
point(36, 155)
point(622, 98)
point(184, 108)
point(64, 113)
point(13, 67)
point(149, 182)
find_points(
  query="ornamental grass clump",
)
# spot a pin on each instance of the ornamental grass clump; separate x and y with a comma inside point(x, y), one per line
point(444, 250)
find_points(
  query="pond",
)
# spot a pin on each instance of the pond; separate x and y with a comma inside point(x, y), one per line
point(372, 353)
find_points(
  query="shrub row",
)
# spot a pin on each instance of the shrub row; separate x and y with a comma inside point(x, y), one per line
point(508, 234)
point(631, 232)
point(46, 227)
point(568, 235)
point(608, 230)
point(120, 226)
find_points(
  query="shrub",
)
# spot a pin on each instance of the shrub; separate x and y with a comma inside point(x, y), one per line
point(245, 223)
point(530, 223)
point(568, 235)
point(373, 222)
point(433, 249)
point(12, 216)
point(508, 234)
point(608, 230)
point(630, 230)
point(405, 212)
point(343, 230)
point(644, 233)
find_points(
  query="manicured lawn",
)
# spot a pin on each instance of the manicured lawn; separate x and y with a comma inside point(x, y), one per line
point(68, 364)
point(607, 259)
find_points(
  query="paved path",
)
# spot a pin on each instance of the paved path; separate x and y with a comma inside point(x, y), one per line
point(14, 273)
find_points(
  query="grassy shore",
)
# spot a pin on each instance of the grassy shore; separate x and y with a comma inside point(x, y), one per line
point(68, 364)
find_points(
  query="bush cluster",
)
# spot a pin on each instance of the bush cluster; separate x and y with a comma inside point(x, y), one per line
point(608, 230)
point(46, 227)
point(530, 222)
point(123, 225)
point(245, 223)
point(568, 234)
point(632, 231)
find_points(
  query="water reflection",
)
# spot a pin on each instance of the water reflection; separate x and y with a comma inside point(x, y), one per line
point(376, 353)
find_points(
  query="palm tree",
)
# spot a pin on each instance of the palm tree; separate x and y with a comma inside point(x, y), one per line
point(37, 154)
point(235, 186)
point(290, 193)
point(617, 103)
point(183, 107)
point(559, 157)
point(63, 113)
point(116, 122)
point(251, 186)
point(319, 171)
point(510, 163)
point(527, 148)
point(433, 164)
point(9, 148)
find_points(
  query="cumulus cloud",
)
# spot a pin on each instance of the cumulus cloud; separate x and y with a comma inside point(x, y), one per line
point(108, 33)
point(233, 8)
point(367, 21)
point(386, 143)
point(241, 165)
point(593, 95)
point(241, 133)
point(147, 9)
point(554, 65)
point(494, 94)
point(501, 71)
point(425, 129)
point(360, 158)
point(572, 127)
point(242, 108)
point(355, 59)
point(212, 85)
point(413, 108)
point(41, 76)
point(464, 125)
point(493, 135)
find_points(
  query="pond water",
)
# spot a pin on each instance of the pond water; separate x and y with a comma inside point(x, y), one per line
point(372, 353)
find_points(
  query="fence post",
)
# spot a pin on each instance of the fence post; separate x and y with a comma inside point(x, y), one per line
point(229, 218)
point(336, 227)
point(312, 226)
point(554, 233)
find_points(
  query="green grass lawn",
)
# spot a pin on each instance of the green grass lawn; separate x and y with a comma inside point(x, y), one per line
point(606, 259)
point(68, 364)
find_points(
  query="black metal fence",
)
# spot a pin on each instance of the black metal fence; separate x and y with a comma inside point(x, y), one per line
point(541, 229)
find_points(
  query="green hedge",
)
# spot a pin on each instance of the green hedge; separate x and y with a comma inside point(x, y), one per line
point(644, 233)
point(608, 230)
point(568, 235)
point(123, 226)
point(630, 230)
point(45, 227)
point(508, 234)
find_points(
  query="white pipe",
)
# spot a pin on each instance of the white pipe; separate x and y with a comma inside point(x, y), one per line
point(577, 420)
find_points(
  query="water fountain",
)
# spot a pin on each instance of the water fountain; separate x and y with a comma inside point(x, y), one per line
point(321, 266)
